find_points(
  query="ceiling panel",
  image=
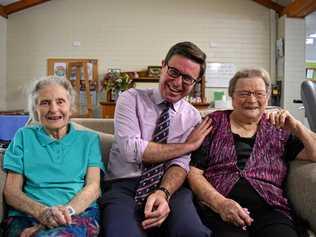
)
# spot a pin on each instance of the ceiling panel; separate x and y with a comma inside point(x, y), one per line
point(6, 2)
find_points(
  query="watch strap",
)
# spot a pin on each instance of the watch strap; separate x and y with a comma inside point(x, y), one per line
point(166, 192)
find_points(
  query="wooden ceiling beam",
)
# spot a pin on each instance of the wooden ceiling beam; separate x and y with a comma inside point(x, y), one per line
point(300, 8)
point(2, 12)
point(21, 5)
point(272, 5)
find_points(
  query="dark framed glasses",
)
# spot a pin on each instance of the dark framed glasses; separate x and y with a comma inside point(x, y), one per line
point(259, 94)
point(175, 73)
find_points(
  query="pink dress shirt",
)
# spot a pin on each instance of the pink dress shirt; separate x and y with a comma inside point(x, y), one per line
point(135, 120)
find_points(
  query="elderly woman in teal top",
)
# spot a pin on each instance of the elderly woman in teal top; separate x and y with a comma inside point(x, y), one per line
point(53, 170)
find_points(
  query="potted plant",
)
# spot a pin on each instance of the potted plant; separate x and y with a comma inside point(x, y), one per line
point(115, 83)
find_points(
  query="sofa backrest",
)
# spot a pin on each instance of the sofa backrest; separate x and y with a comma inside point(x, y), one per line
point(103, 127)
point(97, 124)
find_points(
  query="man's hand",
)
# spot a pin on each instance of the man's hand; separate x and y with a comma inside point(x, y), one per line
point(283, 119)
point(199, 133)
point(156, 210)
point(231, 211)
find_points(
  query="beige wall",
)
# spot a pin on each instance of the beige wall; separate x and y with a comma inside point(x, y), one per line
point(132, 34)
point(3, 59)
point(292, 69)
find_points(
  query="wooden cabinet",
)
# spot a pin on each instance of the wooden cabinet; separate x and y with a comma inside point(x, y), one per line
point(83, 75)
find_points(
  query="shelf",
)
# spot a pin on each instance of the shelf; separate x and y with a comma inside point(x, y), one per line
point(201, 105)
point(146, 79)
point(106, 103)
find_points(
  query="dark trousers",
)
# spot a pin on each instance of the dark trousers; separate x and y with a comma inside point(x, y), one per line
point(270, 223)
point(121, 218)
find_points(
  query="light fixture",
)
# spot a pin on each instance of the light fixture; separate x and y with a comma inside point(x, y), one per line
point(312, 35)
point(309, 41)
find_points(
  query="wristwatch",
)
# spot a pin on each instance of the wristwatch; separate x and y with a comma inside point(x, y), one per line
point(166, 192)
point(70, 210)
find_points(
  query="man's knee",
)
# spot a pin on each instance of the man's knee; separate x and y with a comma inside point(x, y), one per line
point(122, 225)
point(190, 230)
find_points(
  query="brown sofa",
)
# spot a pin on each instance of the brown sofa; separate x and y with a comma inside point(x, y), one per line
point(300, 183)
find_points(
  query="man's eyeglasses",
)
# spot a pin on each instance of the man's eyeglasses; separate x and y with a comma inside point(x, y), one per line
point(186, 79)
point(260, 94)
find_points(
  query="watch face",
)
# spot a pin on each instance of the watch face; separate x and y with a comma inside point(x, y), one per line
point(71, 211)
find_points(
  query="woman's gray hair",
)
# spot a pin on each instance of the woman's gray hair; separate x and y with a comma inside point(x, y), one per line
point(250, 73)
point(41, 83)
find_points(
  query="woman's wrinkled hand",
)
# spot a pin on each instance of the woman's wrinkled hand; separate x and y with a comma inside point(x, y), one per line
point(283, 119)
point(31, 231)
point(230, 211)
point(55, 216)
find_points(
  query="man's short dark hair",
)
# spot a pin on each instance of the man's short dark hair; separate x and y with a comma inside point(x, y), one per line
point(190, 51)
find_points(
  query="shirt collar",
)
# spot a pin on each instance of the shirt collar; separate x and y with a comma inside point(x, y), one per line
point(157, 98)
point(45, 139)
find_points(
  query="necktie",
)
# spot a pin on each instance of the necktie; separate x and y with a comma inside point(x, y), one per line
point(152, 173)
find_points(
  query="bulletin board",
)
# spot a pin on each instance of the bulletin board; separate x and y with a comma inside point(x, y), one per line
point(219, 74)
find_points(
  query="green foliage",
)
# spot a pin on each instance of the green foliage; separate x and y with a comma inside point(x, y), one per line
point(117, 81)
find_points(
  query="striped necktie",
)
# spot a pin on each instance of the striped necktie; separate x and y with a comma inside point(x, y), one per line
point(152, 173)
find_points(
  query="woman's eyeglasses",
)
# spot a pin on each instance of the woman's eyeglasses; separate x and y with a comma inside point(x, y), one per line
point(260, 94)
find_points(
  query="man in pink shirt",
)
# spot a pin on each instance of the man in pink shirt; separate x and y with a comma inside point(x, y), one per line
point(168, 209)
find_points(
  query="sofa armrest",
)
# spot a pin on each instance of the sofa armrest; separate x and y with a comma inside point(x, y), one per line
point(301, 189)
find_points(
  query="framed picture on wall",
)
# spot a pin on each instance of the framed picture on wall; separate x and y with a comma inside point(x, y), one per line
point(60, 69)
point(154, 71)
point(310, 73)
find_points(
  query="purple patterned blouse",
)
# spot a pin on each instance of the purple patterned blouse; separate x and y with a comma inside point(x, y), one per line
point(265, 169)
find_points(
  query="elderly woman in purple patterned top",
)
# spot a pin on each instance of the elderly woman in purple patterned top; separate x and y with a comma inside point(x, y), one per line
point(238, 172)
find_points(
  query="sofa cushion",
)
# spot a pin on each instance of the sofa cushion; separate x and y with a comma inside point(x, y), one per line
point(301, 190)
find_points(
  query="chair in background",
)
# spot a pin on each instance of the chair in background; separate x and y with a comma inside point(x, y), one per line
point(308, 94)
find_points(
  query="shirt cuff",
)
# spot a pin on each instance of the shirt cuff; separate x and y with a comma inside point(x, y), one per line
point(182, 161)
point(134, 152)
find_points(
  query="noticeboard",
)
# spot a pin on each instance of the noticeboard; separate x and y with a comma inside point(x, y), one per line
point(219, 74)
